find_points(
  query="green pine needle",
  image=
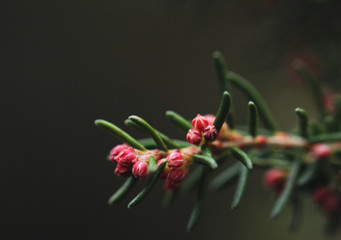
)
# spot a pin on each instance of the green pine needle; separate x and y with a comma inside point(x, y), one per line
point(253, 94)
point(202, 189)
point(309, 173)
point(330, 137)
point(205, 160)
point(242, 156)
point(120, 134)
point(192, 179)
point(253, 119)
point(148, 128)
point(169, 142)
point(288, 188)
point(221, 70)
point(226, 176)
point(178, 120)
point(303, 122)
point(315, 128)
point(242, 180)
point(150, 143)
point(130, 123)
point(223, 111)
point(122, 191)
point(297, 212)
point(169, 198)
point(314, 85)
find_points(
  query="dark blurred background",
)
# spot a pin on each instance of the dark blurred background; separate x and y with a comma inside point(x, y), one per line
point(66, 63)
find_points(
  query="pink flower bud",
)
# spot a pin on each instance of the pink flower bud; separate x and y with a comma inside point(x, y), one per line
point(210, 133)
point(329, 97)
point(126, 157)
point(321, 151)
point(328, 101)
point(261, 140)
point(199, 122)
point(275, 179)
point(320, 195)
point(176, 175)
point(171, 186)
point(143, 158)
point(194, 137)
point(140, 169)
point(175, 159)
point(174, 178)
point(157, 154)
point(122, 171)
point(224, 129)
point(327, 200)
point(210, 118)
point(116, 150)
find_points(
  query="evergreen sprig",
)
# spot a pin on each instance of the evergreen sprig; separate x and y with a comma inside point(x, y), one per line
point(296, 164)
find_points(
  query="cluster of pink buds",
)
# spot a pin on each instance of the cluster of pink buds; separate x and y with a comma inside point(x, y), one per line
point(134, 162)
point(275, 179)
point(125, 157)
point(175, 171)
point(203, 129)
point(327, 200)
point(129, 162)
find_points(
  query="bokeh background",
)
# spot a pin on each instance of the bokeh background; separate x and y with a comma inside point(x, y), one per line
point(66, 63)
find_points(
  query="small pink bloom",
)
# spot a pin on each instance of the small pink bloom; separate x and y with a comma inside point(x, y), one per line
point(275, 179)
point(126, 157)
point(176, 175)
point(194, 137)
point(116, 150)
point(199, 122)
point(210, 133)
point(140, 169)
point(122, 171)
point(175, 159)
point(321, 151)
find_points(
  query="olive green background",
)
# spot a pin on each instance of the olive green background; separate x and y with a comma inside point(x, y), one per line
point(66, 63)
